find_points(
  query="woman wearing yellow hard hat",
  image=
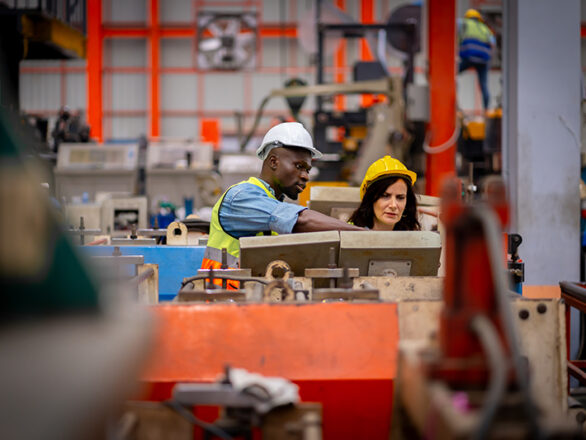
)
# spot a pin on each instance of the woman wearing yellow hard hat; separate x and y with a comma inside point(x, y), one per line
point(388, 202)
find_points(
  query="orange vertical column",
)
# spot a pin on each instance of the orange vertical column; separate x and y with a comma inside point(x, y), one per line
point(442, 80)
point(94, 68)
point(155, 36)
point(339, 64)
point(366, 17)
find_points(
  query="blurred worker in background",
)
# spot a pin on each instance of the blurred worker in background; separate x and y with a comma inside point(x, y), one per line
point(69, 127)
point(476, 42)
point(79, 131)
point(256, 207)
point(388, 202)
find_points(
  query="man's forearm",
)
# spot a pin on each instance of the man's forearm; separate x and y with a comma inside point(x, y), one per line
point(313, 221)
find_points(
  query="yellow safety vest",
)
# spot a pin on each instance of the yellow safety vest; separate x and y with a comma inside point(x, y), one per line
point(475, 41)
point(219, 239)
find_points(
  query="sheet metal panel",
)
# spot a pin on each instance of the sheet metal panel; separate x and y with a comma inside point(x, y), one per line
point(125, 52)
point(175, 263)
point(128, 91)
point(127, 11)
point(177, 52)
point(175, 11)
point(179, 92)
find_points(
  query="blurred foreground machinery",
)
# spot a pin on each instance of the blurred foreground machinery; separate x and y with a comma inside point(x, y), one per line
point(69, 351)
point(476, 378)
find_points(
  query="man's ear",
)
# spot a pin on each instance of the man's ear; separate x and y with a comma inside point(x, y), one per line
point(273, 162)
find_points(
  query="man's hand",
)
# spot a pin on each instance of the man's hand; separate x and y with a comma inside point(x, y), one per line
point(313, 221)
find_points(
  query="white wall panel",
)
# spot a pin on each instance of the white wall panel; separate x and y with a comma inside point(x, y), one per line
point(43, 91)
point(124, 11)
point(272, 10)
point(40, 92)
point(261, 87)
point(129, 91)
point(176, 11)
point(224, 91)
point(75, 87)
point(180, 127)
point(177, 52)
point(125, 52)
point(128, 127)
point(276, 52)
point(229, 124)
point(178, 92)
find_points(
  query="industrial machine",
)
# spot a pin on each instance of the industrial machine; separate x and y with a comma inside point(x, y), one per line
point(401, 33)
point(181, 173)
point(315, 266)
point(385, 119)
point(114, 215)
point(85, 169)
point(392, 123)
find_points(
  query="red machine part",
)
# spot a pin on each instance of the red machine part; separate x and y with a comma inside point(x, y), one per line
point(469, 285)
point(343, 355)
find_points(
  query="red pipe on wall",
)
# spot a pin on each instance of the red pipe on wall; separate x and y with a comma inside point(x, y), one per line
point(442, 81)
point(366, 17)
point(155, 64)
point(94, 68)
point(339, 63)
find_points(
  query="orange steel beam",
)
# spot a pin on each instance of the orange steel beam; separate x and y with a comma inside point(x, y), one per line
point(342, 341)
point(271, 31)
point(442, 80)
point(339, 63)
point(94, 68)
point(366, 17)
point(130, 32)
point(155, 61)
point(265, 31)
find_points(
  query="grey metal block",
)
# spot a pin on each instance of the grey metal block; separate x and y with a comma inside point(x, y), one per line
point(371, 250)
point(300, 251)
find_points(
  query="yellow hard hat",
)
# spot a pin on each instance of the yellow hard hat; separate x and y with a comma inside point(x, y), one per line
point(385, 167)
point(473, 13)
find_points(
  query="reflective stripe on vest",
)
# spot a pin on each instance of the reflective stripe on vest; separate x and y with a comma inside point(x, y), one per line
point(220, 239)
point(211, 264)
point(216, 255)
point(475, 39)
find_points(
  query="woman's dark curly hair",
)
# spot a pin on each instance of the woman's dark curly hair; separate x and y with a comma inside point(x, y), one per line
point(364, 214)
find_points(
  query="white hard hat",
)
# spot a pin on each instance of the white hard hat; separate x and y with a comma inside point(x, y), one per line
point(287, 134)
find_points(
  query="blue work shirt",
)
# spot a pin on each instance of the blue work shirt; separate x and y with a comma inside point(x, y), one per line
point(247, 210)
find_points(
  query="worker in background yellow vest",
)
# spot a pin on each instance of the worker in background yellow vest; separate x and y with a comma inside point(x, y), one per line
point(476, 42)
point(256, 207)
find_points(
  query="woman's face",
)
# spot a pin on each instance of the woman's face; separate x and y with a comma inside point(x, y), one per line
point(388, 209)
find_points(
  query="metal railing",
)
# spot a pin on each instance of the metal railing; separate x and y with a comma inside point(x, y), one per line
point(71, 12)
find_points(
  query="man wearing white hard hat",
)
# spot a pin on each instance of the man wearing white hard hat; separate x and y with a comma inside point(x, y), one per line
point(255, 206)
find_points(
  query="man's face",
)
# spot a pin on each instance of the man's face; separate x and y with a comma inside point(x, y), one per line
point(291, 171)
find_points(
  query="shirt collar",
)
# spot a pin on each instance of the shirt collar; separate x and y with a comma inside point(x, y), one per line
point(280, 199)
